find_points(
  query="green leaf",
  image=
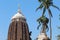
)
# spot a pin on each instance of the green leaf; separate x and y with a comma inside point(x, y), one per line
point(56, 7)
point(39, 0)
point(38, 26)
point(43, 11)
point(40, 7)
point(47, 27)
point(38, 20)
point(50, 12)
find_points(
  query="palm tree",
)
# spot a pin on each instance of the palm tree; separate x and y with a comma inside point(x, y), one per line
point(45, 5)
point(44, 21)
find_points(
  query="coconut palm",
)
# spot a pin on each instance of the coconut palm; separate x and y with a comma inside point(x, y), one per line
point(44, 21)
point(45, 5)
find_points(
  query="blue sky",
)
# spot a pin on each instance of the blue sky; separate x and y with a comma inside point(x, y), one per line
point(9, 7)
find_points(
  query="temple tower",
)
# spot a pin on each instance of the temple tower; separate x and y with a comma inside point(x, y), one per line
point(18, 29)
point(42, 36)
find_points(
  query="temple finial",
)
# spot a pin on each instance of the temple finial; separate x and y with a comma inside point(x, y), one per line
point(19, 8)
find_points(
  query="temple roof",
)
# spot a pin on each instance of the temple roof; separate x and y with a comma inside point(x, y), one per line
point(18, 15)
point(42, 36)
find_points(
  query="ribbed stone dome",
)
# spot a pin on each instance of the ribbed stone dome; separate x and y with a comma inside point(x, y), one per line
point(18, 15)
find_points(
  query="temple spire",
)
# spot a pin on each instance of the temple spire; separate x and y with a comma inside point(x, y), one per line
point(18, 29)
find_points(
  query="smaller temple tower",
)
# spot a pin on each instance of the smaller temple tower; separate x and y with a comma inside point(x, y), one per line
point(18, 29)
point(42, 36)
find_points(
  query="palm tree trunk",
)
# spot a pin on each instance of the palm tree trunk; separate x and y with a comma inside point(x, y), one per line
point(44, 29)
point(50, 28)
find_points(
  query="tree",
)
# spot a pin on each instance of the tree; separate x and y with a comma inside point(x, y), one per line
point(45, 5)
point(44, 21)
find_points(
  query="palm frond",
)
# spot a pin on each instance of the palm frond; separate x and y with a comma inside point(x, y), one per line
point(38, 20)
point(47, 27)
point(50, 12)
point(40, 7)
point(43, 11)
point(56, 7)
point(51, 0)
point(38, 26)
point(39, 0)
